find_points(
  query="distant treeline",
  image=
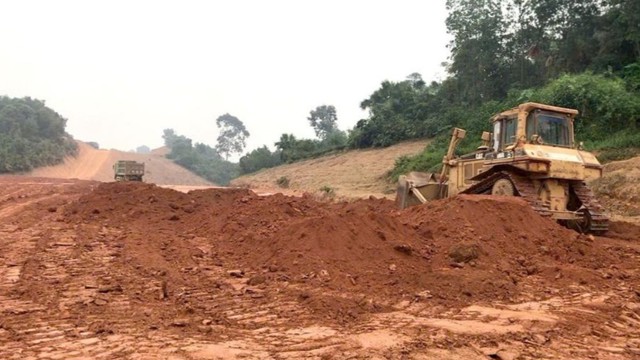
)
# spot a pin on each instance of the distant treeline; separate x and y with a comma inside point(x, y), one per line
point(31, 135)
point(200, 158)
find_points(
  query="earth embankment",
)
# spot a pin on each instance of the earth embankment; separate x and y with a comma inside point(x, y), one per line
point(97, 164)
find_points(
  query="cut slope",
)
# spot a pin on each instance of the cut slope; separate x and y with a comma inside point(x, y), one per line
point(96, 164)
point(619, 189)
point(357, 173)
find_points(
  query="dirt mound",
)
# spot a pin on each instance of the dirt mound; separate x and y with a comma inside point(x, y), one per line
point(468, 248)
point(96, 164)
point(334, 245)
point(508, 236)
point(624, 230)
point(134, 266)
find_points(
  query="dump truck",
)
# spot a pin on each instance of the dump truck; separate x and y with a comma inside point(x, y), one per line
point(531, 153)
point(128, 170)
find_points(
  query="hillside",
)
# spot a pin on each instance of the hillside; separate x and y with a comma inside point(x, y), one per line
point(618, 189)
point(357, 173)
point(94, 164)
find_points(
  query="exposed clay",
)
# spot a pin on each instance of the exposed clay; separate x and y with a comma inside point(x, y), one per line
point(133, 270)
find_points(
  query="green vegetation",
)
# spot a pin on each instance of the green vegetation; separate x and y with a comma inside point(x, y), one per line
point(259, 158)
point(577, 54)
point(329, 138)
point(289, 149)
point(199, 158)
point(608, 123)
point(31, 135)
point(206, 161)
point(327, 191)
point(233, 135)
point(323, 121)
point(283, 182)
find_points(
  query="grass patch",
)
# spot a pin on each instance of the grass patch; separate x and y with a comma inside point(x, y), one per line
point(618, 146)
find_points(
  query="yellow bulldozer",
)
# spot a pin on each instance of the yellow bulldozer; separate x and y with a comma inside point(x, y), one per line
point(531, 153)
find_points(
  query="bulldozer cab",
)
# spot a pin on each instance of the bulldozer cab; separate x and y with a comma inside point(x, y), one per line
point(534, 124)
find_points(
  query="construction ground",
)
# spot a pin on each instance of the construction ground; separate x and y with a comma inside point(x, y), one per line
point(100, 270)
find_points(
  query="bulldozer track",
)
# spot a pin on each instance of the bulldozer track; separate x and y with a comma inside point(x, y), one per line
point(524, 188)
point(599, 222)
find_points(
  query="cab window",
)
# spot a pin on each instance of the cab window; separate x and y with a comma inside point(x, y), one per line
point(504, 133)
point(510, 126)
point(496, 136)
point(552, 128)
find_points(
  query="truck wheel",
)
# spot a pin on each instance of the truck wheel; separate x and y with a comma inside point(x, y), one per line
point(503, 187)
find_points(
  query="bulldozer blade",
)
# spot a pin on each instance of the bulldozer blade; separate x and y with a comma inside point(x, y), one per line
point(417, 188)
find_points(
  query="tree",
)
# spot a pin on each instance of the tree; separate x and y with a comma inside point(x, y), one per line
point(416, 80)
point(179, 144)
point(323, 120)
point(478, 53)
point(233, 135)
point(259, 158)
point(605, 104)
point(169, 137)
point(619, 35)
point(31, 135)
point(143, 149)
point(199, 158)
point(397, 111)
point(287, 141)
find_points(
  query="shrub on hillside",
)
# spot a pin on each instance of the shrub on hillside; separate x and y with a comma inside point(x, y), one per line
point(260, 158)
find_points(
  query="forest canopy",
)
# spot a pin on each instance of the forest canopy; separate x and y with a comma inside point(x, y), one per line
point(31, 135)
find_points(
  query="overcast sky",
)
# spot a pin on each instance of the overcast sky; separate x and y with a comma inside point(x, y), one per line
point(122, 71)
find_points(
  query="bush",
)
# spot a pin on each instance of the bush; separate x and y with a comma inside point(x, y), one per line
point(283, 182)
point(605, 104)
point(327, 192)
point(260, 158)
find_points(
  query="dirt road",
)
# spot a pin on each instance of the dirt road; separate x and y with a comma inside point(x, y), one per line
point(96, 164)
point(94, 270)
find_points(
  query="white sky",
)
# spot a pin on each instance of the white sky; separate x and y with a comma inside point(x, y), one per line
point(122, 71)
